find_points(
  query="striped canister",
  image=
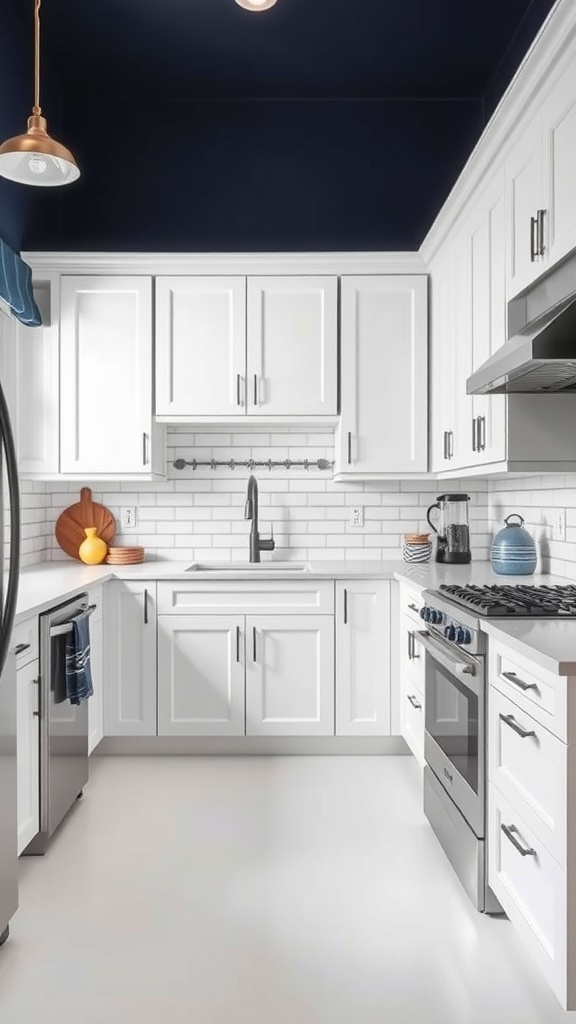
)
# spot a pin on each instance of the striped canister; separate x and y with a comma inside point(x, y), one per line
point(513, 549)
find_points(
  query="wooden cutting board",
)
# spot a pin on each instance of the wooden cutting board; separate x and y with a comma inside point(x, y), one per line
point(72, 521)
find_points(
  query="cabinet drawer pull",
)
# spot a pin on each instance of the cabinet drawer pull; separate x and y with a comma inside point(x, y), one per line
point(146, 607)
point(511, 721)
point(513, 678)
point(238, 644)
point(481, 433)
point(533, 239)
point(415, 703)
point(448, 775)
point(414, 608)
point(475, 434)
point(446, 455)
point(20, 648)
point(145, 458)
point(254, 644)
point(349, 447)
point(510, 831)
point(255, 389)
point(450, 444)
point(238, 397)
point(345, 606)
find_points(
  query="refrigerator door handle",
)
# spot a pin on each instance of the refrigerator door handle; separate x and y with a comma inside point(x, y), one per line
point(9, 605)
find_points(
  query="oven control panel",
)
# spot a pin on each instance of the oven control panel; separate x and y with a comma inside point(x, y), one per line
point(446, 626)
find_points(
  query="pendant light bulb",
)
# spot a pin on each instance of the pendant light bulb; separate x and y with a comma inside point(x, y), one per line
point(256, 5)
point(34, 158)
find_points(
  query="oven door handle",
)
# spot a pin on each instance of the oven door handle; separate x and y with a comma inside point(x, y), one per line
point(465, 671)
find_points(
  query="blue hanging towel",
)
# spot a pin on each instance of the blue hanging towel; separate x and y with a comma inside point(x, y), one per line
point(78, 673)
point(16, 287)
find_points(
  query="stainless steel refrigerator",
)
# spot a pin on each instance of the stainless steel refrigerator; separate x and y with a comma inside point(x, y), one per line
point(9, 534)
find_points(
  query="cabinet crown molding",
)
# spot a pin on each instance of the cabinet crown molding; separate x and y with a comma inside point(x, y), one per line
point(260, 264)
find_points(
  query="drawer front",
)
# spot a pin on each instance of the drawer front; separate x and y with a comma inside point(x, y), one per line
point(410, 604)
point(265, 598)
point(538, 692)
point(25, 642)
point(529, 767)
point(412, 718)
point(531, 888)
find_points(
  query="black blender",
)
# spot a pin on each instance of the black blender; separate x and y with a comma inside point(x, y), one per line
point(453, 531)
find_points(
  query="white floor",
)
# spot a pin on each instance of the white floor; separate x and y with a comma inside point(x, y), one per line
point(257, 891)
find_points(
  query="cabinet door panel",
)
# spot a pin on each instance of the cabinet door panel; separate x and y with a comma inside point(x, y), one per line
point(290, 675)
point(106, 374)
point(412, 718)
point(200, 346)
point(363, 658)
point(384, 417)
point(200, 675)
point(524, 192)
point(559, 135)
point(36, 386)
point(442, 420)
point(28, 754)
point(130, 668)
point(292, 346)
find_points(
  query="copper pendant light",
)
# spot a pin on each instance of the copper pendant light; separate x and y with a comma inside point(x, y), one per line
point(34, 158)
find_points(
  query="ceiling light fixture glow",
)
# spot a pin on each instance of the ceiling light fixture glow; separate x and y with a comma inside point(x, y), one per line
point(256, 5)
point(34, 158)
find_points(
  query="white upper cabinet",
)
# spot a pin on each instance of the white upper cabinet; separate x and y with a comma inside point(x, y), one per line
point(292, 346)
point(106, 376)
point(236, 347)
point(442, 367)
point(200, 346)
point(384, 377)
point(559, 146)
point(526, 214)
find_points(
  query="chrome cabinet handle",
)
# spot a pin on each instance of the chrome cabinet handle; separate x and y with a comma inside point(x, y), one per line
point(145, 458)
point(513, 678)
point(450, 444)
point(481, 433)
point(36, 682)
point(238, 383)
point(345, 606)
point(448, 775)
point(511, 721)
point(414, 608)
point(20, 648)
point(413, 655)
point(254, 644)
point(540, 233)
point(238, 644)
point(510, 831)
point(474, 431)
point(349, 447)
point(255, 389)
point(533, 239)
point(445, 444)
point(145, 607)
point(415, 703)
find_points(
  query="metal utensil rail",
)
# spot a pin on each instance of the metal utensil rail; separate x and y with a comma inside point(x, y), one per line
point(322, 464)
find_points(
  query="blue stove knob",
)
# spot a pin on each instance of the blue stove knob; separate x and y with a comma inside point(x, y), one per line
point(450, 633)
point(423, 612)
point(467, 637)
point(460, 635)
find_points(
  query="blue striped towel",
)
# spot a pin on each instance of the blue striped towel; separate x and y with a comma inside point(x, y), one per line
point(78, 674)
point(16, 286)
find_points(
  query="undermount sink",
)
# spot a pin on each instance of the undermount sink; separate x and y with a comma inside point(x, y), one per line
point(260, 567)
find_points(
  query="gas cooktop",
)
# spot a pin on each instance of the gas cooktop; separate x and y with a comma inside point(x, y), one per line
point(520, 600)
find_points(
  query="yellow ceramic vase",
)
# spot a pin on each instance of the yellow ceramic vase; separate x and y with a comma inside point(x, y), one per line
point(93, 550)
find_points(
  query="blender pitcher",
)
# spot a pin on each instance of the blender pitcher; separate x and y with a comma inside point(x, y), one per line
point(453, 531)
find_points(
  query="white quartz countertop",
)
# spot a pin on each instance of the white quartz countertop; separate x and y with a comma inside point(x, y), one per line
point(549, 643)
point(50, 583)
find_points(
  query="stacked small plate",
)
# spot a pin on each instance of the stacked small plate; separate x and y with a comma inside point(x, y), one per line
point(124, 555)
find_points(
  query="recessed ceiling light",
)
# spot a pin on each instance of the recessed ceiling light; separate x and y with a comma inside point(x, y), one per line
point(256, 5)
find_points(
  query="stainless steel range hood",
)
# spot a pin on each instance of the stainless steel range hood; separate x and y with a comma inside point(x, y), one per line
point(540, 354)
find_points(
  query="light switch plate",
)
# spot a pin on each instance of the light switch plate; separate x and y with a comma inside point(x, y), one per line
point(357, 516)
point(128, 517)
point(560, 524)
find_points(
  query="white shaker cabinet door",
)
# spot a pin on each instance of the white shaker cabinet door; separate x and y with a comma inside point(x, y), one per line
point(384, 376)
point(559, 143)
point(363, 658)
point(106, 375)
point(524, 199)
point(28, 753)
point(200, 346)
point(130, 663)
point(200, 675)
point(96, 701)
point(290, 675)
point(292, 346)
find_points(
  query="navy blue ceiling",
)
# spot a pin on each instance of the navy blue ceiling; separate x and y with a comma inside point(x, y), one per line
point(393, 49)
point(319, 124)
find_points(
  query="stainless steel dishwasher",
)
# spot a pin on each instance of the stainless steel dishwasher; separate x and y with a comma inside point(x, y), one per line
point(63, 728)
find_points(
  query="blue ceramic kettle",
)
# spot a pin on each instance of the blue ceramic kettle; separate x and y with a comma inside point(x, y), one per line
point(513, 549)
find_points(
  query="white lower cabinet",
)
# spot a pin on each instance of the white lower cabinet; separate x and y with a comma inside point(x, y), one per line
point(130, 676)
point(96, 702)
point(412, 718)
point(289, 675)
point(531, 837)
point(200, 675)
point(411, 662)
point(28, 754)
point(363, 658)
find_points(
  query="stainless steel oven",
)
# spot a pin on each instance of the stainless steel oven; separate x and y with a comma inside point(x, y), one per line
point(454, 742)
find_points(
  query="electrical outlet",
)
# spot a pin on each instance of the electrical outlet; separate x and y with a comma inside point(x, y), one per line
point(128, 517)
point(559, 531)
point(357, 516)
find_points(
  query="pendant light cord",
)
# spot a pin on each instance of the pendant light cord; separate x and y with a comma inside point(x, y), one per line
point(37, 108)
